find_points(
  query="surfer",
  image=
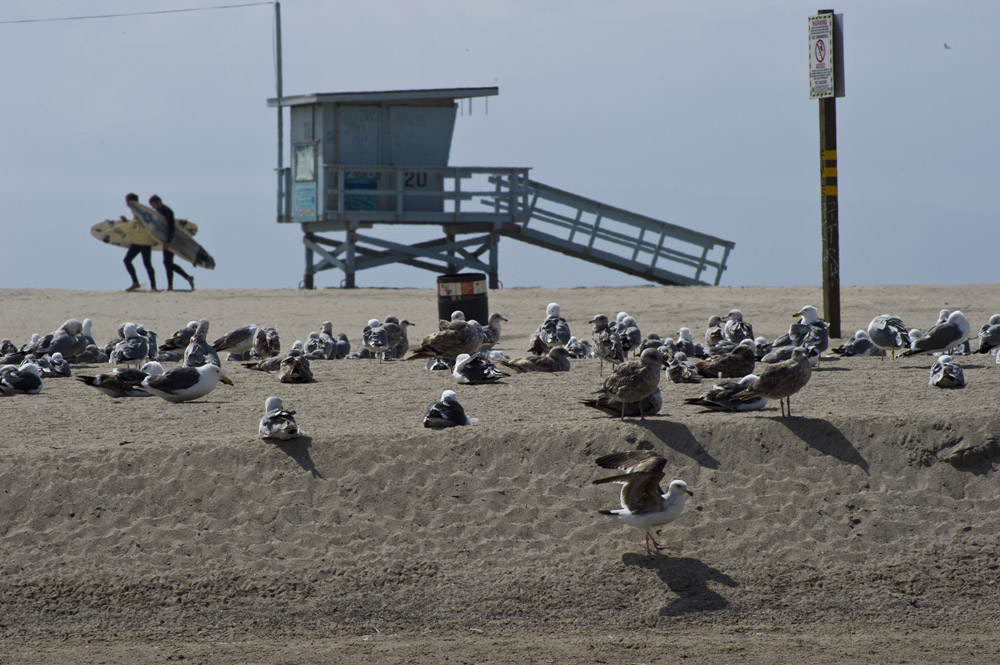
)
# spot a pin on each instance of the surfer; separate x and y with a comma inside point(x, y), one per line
point(168, 257)
point(145, 251)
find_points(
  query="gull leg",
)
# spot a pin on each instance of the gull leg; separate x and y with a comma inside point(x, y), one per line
point(623, 411)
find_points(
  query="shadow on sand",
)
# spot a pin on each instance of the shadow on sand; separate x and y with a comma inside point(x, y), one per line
point(679, 438)
point(298, 450)
point(826, 438)
point(688, 578)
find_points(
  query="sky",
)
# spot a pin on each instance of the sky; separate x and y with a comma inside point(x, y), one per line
point(695, 113)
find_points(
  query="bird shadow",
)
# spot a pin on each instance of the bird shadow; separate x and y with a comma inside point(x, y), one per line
point(688, 578)
point(826, 438)
point(298, 450)
point(679, 438)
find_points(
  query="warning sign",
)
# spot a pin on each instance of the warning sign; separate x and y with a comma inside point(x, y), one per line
point(821, 56)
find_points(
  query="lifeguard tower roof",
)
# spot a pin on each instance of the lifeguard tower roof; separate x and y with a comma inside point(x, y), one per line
point(444, 95)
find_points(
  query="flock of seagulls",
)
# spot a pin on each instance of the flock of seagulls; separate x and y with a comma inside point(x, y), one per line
point(746, 371)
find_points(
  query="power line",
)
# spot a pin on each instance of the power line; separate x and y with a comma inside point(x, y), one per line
point(161, 11)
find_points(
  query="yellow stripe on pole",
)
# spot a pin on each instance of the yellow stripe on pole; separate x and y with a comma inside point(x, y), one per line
point(828, 155)
point(829, 190)
point(829, 172)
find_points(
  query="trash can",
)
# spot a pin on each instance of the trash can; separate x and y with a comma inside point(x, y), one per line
point(464, 291)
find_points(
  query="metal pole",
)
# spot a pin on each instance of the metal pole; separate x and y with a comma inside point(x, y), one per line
point(829, 209)
point(281, 126)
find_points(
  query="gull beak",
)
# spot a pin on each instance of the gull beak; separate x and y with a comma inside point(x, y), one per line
point(226, 380)
point(689, 492)
point(796, 315)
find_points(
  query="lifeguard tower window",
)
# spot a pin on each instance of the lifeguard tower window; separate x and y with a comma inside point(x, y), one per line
point(305, 162)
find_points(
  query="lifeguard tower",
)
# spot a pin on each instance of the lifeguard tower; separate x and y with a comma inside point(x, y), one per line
point(360, 159)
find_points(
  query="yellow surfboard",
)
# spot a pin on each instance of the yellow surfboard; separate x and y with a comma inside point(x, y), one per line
point(132, 232)
point(183, 245)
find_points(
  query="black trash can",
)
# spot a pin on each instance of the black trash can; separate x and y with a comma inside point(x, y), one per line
point(465, 291)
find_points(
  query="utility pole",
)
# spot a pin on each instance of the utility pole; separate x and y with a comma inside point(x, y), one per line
point(826, 82)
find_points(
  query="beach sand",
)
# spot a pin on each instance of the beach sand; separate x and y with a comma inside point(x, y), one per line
point(863, 529)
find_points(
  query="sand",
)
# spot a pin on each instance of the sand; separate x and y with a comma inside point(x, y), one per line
point(863, 529)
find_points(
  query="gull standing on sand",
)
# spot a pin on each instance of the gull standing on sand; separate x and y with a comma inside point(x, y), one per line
point(446, 412)
point(634, 380)
point(888, 333)
point(607, 344)
point(644, 505)
point(942, 336)
point(492, 331)
point(714, 333)
point(266, 343)
point(946, 373)
point(375, 339)
point(278, 422)
point(183, 384)
point(781, 381)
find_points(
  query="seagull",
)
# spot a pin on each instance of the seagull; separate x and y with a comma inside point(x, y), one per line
point(888, 333)
point(266, 343)
point(236, 341)
point(492, 331)
point(375, 338)
point(198, 351)
point(644, 505)
point(612, 406)
point(58, 366)
point(781, 380)
point(714, 333)
point(941, 336)
point(629, 334)
point(607, 344)
point(735, 328)
point(946, 373)
point(23, 380)
point(720, 397)
point(686, 344)
point(458, 338)
point(123, 381)
point(180, 338)
point(682, 370)
point(859, 345)
point(132, 349)
point(989, 335)
point(634, 380)
point(294, 369)
point(475, 370)
point(553, 330)
point(739, 362)
point(446, 412)
point(278, 422)
point(183, 384)
point(556, 360)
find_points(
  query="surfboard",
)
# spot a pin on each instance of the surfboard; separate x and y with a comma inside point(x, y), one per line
point(132, 232)
point(182, 245)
